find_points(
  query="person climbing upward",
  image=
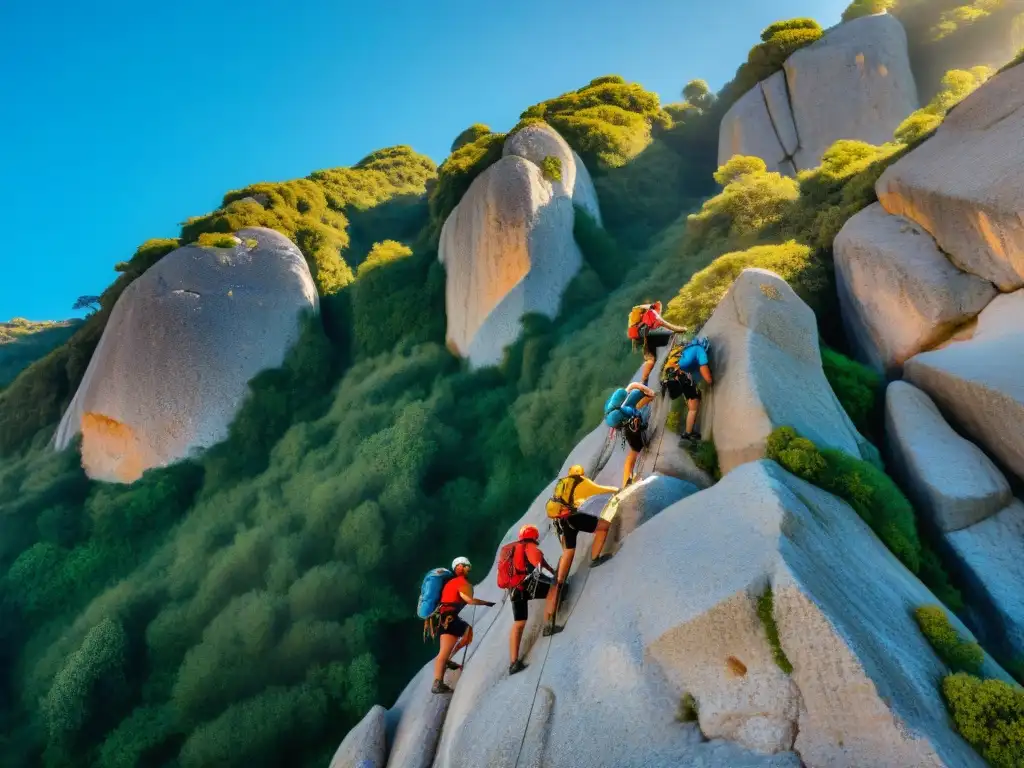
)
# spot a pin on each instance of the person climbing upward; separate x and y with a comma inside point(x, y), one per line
point(563, 508)
point(679, 378)
point(528, 560)
point(645, 326)
point(622, 412)
point(455, 633)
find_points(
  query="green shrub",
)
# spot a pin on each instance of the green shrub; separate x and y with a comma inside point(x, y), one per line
point(217, 240)
point(687, 709)
point(753, 201)
point(470, 135)
point(705, 456)
point(859, 8)
point(959, 654)
point(858, 388)
point(765, 611)
point(874, 497)
point(795, 263)
point(781, 26)
point(955, 87)
point(698, 94)
point(779, 41)
point(551, 168)
point(459, 171)
point(989, 714)
point(1015, 61)
point(599, 249)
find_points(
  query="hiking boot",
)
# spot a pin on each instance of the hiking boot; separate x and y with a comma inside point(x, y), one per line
point(452, 665)
point(551, 629)
point(600, 560)
point(693, 437)
point(440, 687)
point(516, 666)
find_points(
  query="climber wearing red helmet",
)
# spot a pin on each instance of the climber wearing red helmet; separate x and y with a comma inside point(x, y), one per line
point(529, 558)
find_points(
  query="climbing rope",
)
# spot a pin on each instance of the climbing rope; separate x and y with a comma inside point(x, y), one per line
point(540, 676)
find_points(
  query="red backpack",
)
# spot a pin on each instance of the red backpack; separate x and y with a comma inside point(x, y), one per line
point(512, 564)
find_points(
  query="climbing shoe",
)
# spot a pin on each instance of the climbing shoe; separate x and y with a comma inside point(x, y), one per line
point(452, 665)
point(600, 560)
point(516, 666)
point(440, 687)
point(693, 437)
point(551, 629)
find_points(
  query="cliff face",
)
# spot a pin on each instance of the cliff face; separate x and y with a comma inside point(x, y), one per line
point(853, 83)
point(508, 246)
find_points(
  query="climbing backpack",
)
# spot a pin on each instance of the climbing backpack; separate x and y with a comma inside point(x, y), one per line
point(512, 570)
point(615, 415)
point(430, 591)
point(636, 319)
point(561, 503)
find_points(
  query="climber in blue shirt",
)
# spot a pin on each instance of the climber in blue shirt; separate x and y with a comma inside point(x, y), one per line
point(679, 378)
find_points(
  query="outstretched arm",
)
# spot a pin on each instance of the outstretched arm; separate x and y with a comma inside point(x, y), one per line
point(673, 328)
point(468, 599)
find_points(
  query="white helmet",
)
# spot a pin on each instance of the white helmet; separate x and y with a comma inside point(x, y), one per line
point(461, 561)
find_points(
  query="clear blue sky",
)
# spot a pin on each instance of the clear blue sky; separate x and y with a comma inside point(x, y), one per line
point(121, 119)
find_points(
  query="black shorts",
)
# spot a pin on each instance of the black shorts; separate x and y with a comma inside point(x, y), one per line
point(653, 341)
point(682, 386)
point(575, 524)
point(451, 624)
point(536, 588)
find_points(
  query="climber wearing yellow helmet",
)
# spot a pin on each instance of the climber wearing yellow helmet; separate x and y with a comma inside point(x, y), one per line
point(563, 508)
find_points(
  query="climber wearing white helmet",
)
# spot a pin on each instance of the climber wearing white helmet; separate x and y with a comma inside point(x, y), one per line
point(455, 633)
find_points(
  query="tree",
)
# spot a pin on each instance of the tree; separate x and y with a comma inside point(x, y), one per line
point(698, 93)
point(87, 302)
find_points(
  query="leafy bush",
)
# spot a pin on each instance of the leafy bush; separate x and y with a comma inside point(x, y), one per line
point(779, 41)
point(459, 171)
point(22, 345)
point(859, 8)
point(990, 715)
point(858, 388)
point(687, 709)
point(599, 249)
point(705, 456)
point(959, 654)
point(955, 87)
point(872, 494)
point(551, 168)
point(795, 263)
point(765, 611)
point(753, 202)
point(470, 135)
point(217, 240)
point(698, 94)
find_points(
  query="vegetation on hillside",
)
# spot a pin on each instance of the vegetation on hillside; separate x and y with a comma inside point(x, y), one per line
point(22, 342)
point(779, 41)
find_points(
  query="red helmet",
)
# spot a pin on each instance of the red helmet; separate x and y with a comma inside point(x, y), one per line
point(529, 532)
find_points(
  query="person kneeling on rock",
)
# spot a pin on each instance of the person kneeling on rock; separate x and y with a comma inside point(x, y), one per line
point(563, 508)
point(455, 633)
point(622, 412)
point(525, 563)
point(679, 378)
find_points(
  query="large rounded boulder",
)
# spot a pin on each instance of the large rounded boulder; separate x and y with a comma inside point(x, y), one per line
point(179, 349)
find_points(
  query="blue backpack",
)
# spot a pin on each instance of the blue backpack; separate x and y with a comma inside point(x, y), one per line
point(615, 414)
point(430, 592)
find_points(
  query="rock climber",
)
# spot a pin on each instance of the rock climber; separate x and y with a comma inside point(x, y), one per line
point(563, 508)
point(622, 412)
point(647, 326)
point(455, 633)
point(528, 557)
point(679, 378)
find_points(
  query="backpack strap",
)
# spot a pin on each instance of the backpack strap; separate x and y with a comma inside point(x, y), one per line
point(572, 493)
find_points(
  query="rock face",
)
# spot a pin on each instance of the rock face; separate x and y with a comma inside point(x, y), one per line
point(979, 383)
point(508, 246)
point(539, 141)
point(991, 558)
point(767, 372)
point(898, 292)
point(606, 690)
point(965, 185)
point(948, 479)
point(179, 349)
point(365, 746)
point(760, 124)
point(854, 83)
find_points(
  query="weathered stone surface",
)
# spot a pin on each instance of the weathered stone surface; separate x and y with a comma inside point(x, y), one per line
point(179, 349)
point(508, 249)
point(853, 83)
point(898, 293)
point(767, 373)
point(991, 555)
point(644, 499)
point(948, 478)
point(862, 690)
point(965, 185)
point(760, 126)
point(365, 745)
point(538, 141)
point(416, 719)
point(979, 384)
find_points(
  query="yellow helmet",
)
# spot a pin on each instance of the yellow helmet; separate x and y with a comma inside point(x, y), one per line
point(576, 470)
